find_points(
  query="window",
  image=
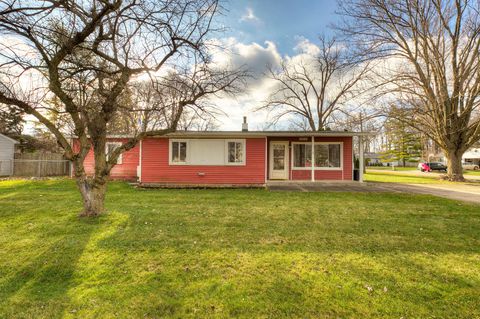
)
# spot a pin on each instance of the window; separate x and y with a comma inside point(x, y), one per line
point(302, 155)
point(235, 152)
point(327, 155)
point(207, 152)
point(110, 147)
point(179, 152)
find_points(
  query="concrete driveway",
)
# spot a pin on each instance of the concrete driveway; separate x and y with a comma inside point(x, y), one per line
point(462, 192)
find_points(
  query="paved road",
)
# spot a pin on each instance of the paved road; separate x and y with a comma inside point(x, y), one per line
point(417, 173)
point(463, 192)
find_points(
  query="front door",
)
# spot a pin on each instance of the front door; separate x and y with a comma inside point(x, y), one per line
point(278, 160)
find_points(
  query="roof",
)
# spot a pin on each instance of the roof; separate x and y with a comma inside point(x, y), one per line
point(372, 155)
point(200, 134)
point(263, 133)
point(9, 139)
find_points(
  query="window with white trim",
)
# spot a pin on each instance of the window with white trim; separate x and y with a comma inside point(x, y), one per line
point(235, 152)
point(178, 154)
point(325, 155)
point(204, 152)
point(302, 155)
point(110, 147)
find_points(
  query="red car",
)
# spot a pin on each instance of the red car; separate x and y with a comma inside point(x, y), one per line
point(432, 166)
point(424, 167)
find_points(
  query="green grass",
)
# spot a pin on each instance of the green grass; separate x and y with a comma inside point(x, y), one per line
point(387, 177)
point(476, 173)
point(236, 253)
point(425, 178)
point(406, 169)
point(389, 168)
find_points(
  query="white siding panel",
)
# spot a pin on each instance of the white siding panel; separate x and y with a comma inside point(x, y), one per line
point(207, 152)
point(7, 148)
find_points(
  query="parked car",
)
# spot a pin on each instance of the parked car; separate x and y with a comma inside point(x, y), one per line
point(470, 165)
point(432, 166)
point(423, 167)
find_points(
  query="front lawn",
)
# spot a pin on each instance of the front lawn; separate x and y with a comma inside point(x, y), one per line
point(236, 253)
point(391, 168)
point(391, 177)
point(475, 173)
point(406, 178)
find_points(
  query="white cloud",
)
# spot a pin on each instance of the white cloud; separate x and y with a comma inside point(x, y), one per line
point(249, 16)
point(254, 57)
point(305, 46)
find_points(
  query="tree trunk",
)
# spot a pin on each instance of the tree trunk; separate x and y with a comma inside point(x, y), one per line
point(454, 167)
point(93, 194)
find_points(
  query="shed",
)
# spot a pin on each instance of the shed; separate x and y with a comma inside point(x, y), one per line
point(7, 150)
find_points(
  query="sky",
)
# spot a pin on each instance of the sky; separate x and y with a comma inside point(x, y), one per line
point(265, 32)
point(279, 21)
point(260, 33)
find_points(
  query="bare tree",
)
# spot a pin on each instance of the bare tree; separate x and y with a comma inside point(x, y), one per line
point(87, 54)
point(432, 65)
point(314, 89)
point(11, 120)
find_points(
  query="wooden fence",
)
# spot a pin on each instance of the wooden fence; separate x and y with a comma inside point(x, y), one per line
point(40, 165)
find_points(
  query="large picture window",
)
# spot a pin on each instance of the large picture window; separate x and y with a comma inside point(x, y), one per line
point(207, 152)
point(302, 155)
point(326, 155)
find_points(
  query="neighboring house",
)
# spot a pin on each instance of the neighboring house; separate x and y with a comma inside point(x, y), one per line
point(374, 159)
point(472, 156)
point(234, 157)
point(379, 159)
point(7, 150)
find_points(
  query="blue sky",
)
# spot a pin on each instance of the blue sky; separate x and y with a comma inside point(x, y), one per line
point(263, 33)
point(279, 21)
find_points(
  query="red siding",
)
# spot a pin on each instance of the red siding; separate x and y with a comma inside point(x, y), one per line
point(156, 168)
point(126, 171)
point(345, 174)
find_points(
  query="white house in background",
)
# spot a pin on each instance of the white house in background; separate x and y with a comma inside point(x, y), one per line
point(7, 150)
point(472, 156)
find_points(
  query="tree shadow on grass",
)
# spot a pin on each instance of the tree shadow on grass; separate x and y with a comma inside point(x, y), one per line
point(38, 289)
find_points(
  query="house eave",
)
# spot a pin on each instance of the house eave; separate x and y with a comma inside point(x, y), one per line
point(250, 134)
point(263, 134)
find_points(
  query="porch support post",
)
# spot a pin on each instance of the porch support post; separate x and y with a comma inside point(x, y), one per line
point(361, 160)
point(313, 160)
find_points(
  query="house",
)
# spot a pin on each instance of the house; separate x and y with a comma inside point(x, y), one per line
point(472, 156)
point(234, 157)
point(374, 159)
point(7, 150)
